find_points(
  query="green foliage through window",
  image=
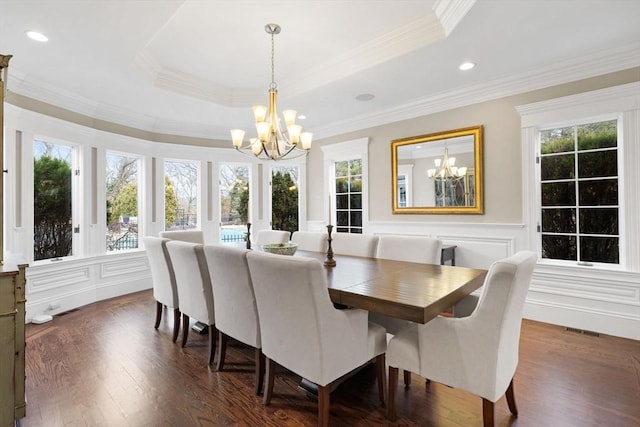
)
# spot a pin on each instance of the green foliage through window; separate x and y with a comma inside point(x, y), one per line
point(52, 221)
point(579, 193)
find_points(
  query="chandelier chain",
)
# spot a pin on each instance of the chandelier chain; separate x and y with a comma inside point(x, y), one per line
point(273, 84)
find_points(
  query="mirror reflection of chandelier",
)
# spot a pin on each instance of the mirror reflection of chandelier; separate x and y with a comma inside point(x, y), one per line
point(445, 169)
point(451, 188)
point(273, 143)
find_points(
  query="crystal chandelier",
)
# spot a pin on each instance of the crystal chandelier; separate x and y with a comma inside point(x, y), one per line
point(273, 142)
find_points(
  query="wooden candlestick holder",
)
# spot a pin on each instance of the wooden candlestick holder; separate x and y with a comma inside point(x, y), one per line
point(248, 235)
point(329, 262)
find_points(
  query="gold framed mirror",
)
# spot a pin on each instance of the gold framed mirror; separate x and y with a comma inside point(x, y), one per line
point(439, 173)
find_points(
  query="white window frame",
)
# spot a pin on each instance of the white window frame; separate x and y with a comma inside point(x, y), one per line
point(621, 103)
point(343, 151)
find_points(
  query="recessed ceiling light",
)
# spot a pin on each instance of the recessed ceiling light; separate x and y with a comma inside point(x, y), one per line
point(467, 66)
point(39, 37)
point(302, 117)
point(365, 97)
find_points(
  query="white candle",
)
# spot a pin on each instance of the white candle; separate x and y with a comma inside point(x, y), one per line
point(329, 208)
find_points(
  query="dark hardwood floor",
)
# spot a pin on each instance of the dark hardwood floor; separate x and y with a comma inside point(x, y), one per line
point(105, 365)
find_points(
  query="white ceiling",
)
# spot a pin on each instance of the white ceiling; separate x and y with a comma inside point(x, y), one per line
point(195, 67)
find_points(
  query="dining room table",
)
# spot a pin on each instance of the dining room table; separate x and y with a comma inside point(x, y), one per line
point(405, 290)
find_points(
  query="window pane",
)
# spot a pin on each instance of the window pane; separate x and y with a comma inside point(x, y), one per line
point(599, 221)
point(122, 202)
point(355, 167)
point(598, 193)
point(559, 247)
point(558, 194)
point(597, 135)
point(342, 201)
point(356, 230)
point(356, 219)
point(234, 202)
point(342, 218)
point(355, 184)
point(558, 140)
point(180, 195)
point(599, 249)
point(52, 193)
point(348, 196)
point(557, 167)
point(284, 198)
point(356, 201)
point(591, 218)
point(559, 220)
point(342, 185)
point(342, 169)
point(598, 163)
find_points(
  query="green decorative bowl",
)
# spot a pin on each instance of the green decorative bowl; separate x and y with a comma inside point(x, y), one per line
point(281, 248)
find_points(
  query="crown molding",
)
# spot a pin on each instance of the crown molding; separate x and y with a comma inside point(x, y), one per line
point(599, 63)
point(451, 12)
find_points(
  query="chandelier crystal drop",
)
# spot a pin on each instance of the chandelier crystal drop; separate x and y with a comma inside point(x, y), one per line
point(273, 142)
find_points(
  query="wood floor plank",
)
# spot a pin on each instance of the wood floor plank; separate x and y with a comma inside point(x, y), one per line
point(105, 365)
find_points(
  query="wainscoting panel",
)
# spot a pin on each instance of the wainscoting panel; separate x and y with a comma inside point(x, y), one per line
point(57, 287)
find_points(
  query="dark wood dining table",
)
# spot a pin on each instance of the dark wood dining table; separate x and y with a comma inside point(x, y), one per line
point(404, 290)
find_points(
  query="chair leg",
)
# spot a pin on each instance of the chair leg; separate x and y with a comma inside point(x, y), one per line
point(407, 378)
point(380, 365)
point(511, 399)
point(324, 398)
point(176, 324)
point(270, 376)
point(222, 349)
point(259, 356)
point(158, 314)
point(212, 343)
point(391, 399)
point(185, 329)
point(487, 412)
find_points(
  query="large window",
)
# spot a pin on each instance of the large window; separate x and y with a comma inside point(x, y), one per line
point(579, 193)
point(122, 177)
point(284, 198)
point(348, 191)
point(52, 200)
point(181, 195)
point(234, 202)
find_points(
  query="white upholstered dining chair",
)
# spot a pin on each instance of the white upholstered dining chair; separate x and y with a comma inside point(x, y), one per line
point(265, 237)
point(235, 304)
point(193, 236)
point(313, 241)
point(194, 288)
point(354, 244)
point(478, 353)
point(303, 332)
point(165, 291)
point(420, 249)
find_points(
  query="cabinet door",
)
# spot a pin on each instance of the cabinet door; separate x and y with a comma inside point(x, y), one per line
point(7, 346)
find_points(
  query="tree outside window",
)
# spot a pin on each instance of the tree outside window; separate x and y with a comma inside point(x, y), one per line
point(52, 201)
point(284, 198)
